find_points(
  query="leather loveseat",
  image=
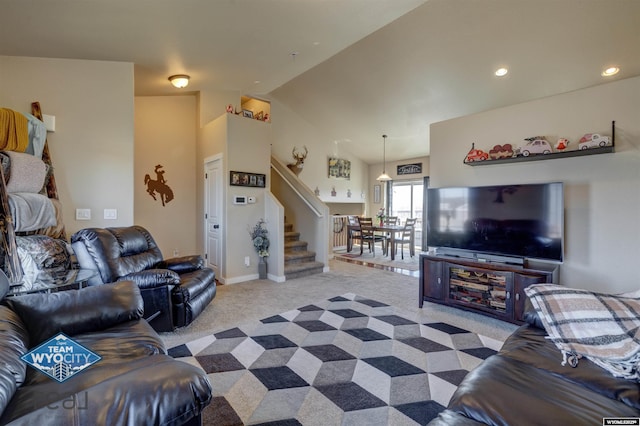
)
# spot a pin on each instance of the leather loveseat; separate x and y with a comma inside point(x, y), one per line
point(175, 290)
point(525, 384)
point(134, 383)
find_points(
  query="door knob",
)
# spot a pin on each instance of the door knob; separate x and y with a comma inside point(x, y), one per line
point(216, 226)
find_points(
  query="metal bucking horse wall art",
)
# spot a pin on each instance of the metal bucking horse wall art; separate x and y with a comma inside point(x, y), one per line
point(158, 185)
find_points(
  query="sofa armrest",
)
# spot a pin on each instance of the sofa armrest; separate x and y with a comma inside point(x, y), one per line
point(182, 264)
point(77, 311)
point(531, 316)
point(152, 278)
point(152, 390)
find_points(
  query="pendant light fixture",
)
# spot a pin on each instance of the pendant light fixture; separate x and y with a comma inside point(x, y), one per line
point(384, 176)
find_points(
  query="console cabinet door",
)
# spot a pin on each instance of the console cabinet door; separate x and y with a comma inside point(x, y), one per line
point(433, 283)
point(520, 282)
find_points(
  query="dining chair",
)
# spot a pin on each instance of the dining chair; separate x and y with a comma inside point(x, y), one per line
point(391, 220)
point(406, 237)
point(386, 235)
point(368, 235)
point(354, 231)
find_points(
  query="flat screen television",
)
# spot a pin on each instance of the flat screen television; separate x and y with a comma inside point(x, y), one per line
point(509, 223)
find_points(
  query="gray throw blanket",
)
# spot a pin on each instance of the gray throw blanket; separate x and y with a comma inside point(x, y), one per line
point(31, 212)
point(604, 328)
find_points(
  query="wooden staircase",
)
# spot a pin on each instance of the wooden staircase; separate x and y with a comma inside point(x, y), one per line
point(298, 261)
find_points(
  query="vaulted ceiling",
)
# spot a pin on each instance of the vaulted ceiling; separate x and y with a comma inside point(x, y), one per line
point(355, 69)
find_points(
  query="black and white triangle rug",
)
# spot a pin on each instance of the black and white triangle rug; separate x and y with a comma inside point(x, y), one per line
point(348, 360)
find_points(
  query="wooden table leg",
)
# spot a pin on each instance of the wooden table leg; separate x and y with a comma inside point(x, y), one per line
point(392, 241)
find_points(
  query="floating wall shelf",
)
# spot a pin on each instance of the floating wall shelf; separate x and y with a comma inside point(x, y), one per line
point(565, 154)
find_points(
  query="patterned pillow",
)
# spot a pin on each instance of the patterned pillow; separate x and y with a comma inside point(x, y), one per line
point(40, 252)
point(604, 328)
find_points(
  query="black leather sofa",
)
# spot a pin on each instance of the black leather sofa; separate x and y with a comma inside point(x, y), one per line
point(525, 384)
point(134, 382)
point(175, 290)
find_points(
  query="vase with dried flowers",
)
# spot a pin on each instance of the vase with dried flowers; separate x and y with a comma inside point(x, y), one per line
point(260, 239)
point(381, 215)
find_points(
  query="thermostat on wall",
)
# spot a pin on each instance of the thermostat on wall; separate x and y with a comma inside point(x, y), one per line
point(239, 199)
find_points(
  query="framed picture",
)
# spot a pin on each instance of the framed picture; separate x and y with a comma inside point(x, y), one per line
point(256, 180)
point(376, 193)
point(247, 113)
point(339, 168)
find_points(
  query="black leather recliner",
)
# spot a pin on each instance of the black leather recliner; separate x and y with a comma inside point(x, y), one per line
point(135, 382)
point(175, 290)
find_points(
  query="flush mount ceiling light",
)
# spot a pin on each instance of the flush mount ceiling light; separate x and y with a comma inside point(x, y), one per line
point(179, 80)
point(610, 71)
point(384, 176)
point(501, 72)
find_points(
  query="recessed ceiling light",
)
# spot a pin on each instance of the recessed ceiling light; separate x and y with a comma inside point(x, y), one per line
point(256, 81)
point(610, 71)
point(501, 72)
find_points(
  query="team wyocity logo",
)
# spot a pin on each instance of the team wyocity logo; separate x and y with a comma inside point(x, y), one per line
point(60, 357)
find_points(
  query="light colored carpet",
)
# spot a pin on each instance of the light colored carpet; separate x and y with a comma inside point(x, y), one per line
point(253, 300)
point(348, 360)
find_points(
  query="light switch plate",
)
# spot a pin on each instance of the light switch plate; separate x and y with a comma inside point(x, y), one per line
point(110, 214)
point(83, 214)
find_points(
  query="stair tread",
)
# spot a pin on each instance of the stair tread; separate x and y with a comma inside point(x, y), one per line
point(298, 254)
point(288, 244)
point(296, 267)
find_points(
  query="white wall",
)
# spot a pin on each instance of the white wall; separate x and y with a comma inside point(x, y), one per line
point(165, 134)
point(291, 131)
point(245, 146)
point(392, 170)
point(602, 192)
point(92, 147)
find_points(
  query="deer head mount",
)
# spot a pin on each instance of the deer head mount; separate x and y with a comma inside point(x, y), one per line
point(299, 157)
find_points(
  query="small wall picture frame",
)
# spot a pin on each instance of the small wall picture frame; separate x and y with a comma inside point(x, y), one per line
point(339, 168)
point(256, 180)
point(246, 113)
point(377, 192)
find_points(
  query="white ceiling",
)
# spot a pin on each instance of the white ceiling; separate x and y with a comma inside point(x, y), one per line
point(355, 69)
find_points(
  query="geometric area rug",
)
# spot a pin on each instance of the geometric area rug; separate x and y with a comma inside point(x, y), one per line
point(348, 360)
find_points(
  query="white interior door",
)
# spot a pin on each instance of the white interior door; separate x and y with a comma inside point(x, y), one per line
point(213, 214)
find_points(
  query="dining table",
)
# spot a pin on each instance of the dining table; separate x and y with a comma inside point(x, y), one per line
point(391, 229)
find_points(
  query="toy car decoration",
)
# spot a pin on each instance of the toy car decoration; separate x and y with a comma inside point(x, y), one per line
point(475, 155)
point(562, 144)
point(593, 140)
point(501, 151)
point(535, 145)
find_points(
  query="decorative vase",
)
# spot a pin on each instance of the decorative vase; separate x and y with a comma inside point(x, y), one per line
point(262, 269)
point(381, 221)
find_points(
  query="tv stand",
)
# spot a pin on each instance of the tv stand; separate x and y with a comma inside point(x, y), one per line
point(489, 288)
